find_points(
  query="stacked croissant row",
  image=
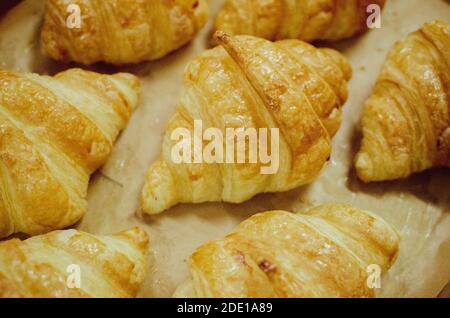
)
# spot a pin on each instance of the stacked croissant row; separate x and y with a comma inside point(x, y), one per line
point(55, 132)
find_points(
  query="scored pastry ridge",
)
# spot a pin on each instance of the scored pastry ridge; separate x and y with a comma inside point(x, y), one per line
point(289, 85)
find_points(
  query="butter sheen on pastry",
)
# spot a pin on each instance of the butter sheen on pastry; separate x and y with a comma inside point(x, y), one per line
point(120, 31)
point(307, 20)
point(406, 120)
point(249, 82)
point(323, 253)
point(112, 266)
point(54, 133)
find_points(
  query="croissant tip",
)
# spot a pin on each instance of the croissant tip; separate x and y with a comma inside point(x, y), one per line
point(222, 37)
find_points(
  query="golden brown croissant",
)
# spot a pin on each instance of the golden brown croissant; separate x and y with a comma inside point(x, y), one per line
point(253, 83)
point(328, 252)
point(307, 20)
point(120, 31)
point(73, 264)
point(406, 121)
point(54, 133)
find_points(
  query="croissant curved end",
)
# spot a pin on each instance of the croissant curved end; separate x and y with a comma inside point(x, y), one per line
point(160, 192)
point(132, 88)
point(364, 166)
point(138, 237)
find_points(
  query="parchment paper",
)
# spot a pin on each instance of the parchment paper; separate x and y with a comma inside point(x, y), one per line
point(418, 207)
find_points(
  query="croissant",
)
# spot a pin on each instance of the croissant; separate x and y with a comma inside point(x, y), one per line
point(406, 121)
point(119, 31)
point(73, 264)
point(54, 133)
point(330, 251)
point(287, 86)
point(307, 20)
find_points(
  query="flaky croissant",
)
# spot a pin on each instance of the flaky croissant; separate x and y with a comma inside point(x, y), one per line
point(307, 20)
point(54, 133)
point(253, 83)
point(328, 252)
point(73, 264)
point(406, 121)
point(119, 31)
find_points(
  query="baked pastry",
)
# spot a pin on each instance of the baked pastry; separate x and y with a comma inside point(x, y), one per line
point(73, 264)
point(119, 31)
point(54, 133)
point(327, 252)
point(288, 87)
point(307, 20)
point(406, 120)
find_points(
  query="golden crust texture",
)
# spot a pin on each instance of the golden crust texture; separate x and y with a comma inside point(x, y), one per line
point(73, 264)
point(54, 133)
point(323, 253)
point(246, 83)
point(307, 20)
point(120, 31)
point(406, 121)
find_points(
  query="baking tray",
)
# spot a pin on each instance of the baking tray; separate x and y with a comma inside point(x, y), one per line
point(419, 207)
